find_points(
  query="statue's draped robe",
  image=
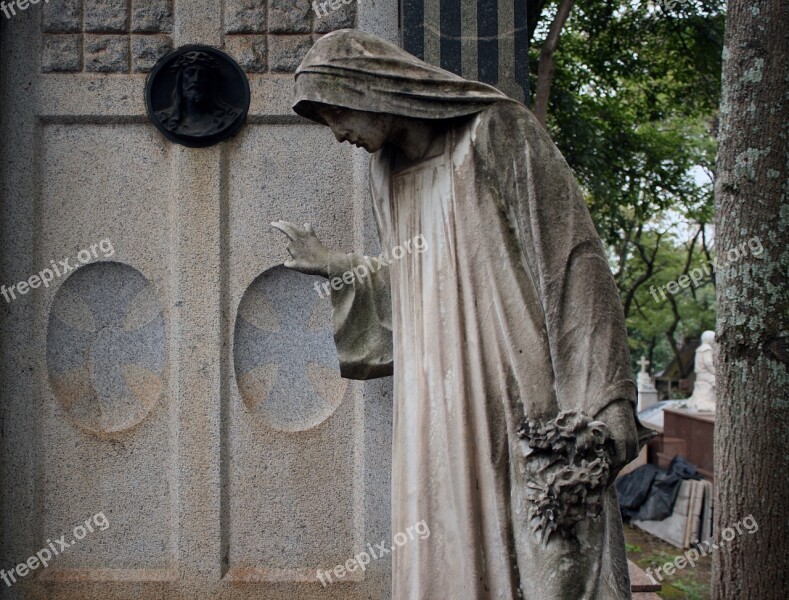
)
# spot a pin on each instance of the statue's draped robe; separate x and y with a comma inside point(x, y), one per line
point(511, 311)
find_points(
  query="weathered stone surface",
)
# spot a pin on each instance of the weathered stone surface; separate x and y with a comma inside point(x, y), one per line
point(249, 51)
point(109, 381)
point(107, 53)
point(276, 300)
point(116, 176)
point(146, 50)
point(563, 462)
point(340, 18)
point(639, 581)
point(282, 312)
point(105, 16)
point(61, 54)
point(194, 223)
point(151, 16)
point(289, 16)
point(285, 52)
point(62, 16)
point(245, 16)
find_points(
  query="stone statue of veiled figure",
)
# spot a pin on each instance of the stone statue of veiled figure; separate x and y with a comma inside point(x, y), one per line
point(513, 397)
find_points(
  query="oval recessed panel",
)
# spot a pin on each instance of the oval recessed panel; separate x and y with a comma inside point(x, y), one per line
point(285, 360)
point(106, 346)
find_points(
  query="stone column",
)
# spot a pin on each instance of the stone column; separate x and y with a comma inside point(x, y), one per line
point(483, 40)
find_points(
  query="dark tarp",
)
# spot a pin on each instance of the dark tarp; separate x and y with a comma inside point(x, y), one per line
point(649, 492)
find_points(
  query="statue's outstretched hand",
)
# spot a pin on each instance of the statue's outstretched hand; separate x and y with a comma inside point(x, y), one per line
point(308, 254)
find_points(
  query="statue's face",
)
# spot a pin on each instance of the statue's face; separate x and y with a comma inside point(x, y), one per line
point(195, 83)
point(362, 129)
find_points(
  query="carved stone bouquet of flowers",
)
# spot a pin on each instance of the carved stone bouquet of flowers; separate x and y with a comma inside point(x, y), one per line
point(568, 466)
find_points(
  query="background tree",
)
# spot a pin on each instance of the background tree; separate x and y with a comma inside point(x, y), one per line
point(752, 426)
point(658, 321)
point(633, 97)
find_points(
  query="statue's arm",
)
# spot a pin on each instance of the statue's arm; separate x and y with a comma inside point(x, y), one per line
point(362, 317)
point(565, 258)
point(360, 297)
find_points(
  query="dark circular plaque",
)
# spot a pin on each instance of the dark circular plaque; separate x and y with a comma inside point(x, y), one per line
point(197, 96)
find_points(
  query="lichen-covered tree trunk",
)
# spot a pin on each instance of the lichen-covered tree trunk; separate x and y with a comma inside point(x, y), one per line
point(752, 429)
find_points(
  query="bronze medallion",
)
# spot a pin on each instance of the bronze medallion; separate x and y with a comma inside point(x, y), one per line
point(197, 96)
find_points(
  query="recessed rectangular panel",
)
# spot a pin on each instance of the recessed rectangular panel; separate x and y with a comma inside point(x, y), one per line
point(293, 440)
point(106, 443)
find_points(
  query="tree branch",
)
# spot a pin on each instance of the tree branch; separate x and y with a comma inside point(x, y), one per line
point(649, 261)
point(545, 71)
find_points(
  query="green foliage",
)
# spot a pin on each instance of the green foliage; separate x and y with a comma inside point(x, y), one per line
point(693, 589)
point(633, 109)
point(652, 314)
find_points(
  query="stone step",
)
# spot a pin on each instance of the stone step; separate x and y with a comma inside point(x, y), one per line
point(640, 583)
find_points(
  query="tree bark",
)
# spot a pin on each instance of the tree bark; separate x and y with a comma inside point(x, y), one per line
point(752, 427)
point(545, 70)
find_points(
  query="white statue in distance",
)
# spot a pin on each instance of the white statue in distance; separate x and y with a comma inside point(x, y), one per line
point(703, 398)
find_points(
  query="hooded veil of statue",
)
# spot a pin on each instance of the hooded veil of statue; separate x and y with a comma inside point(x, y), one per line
point(510, 313)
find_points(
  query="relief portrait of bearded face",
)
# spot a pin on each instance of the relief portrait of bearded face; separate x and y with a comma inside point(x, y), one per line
point(197, 109)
